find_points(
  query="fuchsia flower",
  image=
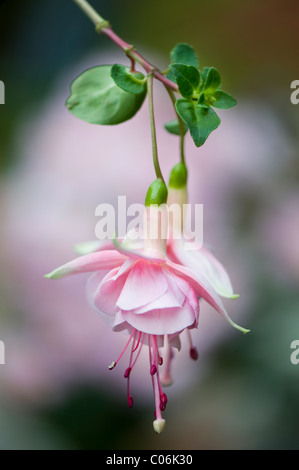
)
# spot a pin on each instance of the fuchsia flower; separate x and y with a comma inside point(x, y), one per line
point(149, 296)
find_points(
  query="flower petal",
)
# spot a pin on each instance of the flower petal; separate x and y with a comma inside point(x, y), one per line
point(162, 321)
point(144, 284)
point(109, 290)
point(202, 261)
point(101, 260)
point(90, 247)
point(167, 300)
point(205, 290)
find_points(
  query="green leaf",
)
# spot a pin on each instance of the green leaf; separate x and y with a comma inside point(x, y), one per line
point(182, 54)
point(223, 100)
point(201, 99)
point(134, 83)
point(187, 78)
point(212, 79)
point(173, 127)
point(95, 98)
point(200, 120)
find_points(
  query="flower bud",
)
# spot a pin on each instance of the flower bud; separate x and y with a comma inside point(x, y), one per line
point(178, 176)
point(156, 193)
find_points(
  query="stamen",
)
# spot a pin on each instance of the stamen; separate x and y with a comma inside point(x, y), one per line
point(192, 351)
point(141, 344)
point(130, 401)
point(137, 342)
point(153, 369)
point(128, 371)
point(163, 398)
point(166, 378)
point(193, 354)
point(160, 360)
point(113, 364)
point(156, 384)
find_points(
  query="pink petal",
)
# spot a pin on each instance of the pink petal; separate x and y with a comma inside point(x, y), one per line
point(144, 284)
point(205, 290)
point(167, 300)
point(92, 286)
point(108, 292)
point(173, 280)
point(188, 292)
point(203, 262)
point(101, 260)
point(162, 321)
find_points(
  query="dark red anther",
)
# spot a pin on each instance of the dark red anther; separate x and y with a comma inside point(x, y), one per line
point(163, 398)
point(130, 401)
point(153, 369)
point(162, 406)
point(160, 361)
point(193, 354)
point(127, 372)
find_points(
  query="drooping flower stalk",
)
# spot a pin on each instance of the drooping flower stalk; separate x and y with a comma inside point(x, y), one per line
point(103, 26)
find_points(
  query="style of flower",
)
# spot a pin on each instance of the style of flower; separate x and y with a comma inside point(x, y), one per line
point(149, 296)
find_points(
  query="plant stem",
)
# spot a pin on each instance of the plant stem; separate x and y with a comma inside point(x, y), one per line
point(90, 11)
point(181, 125)
point(103, 26)
point(153, 127)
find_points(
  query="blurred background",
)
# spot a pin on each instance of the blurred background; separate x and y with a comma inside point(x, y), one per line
point(55, 389)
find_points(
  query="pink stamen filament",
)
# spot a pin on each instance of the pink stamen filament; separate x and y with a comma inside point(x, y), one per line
point(156, 381)
point(166, 375)
point(130, 398)
point(139, 351)
point(137, 341)
point(123, 351)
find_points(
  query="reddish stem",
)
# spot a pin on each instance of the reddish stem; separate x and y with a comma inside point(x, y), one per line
point(134, 55)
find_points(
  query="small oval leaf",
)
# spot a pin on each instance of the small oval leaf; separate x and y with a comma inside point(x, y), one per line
point(223, 100)
point(134, 83)
point(95, 98)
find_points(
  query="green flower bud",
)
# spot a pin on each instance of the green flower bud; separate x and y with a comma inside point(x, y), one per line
point(157, 193)
point(178, 176)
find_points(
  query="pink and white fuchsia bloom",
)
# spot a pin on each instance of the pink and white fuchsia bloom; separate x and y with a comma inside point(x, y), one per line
point(149, 296)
